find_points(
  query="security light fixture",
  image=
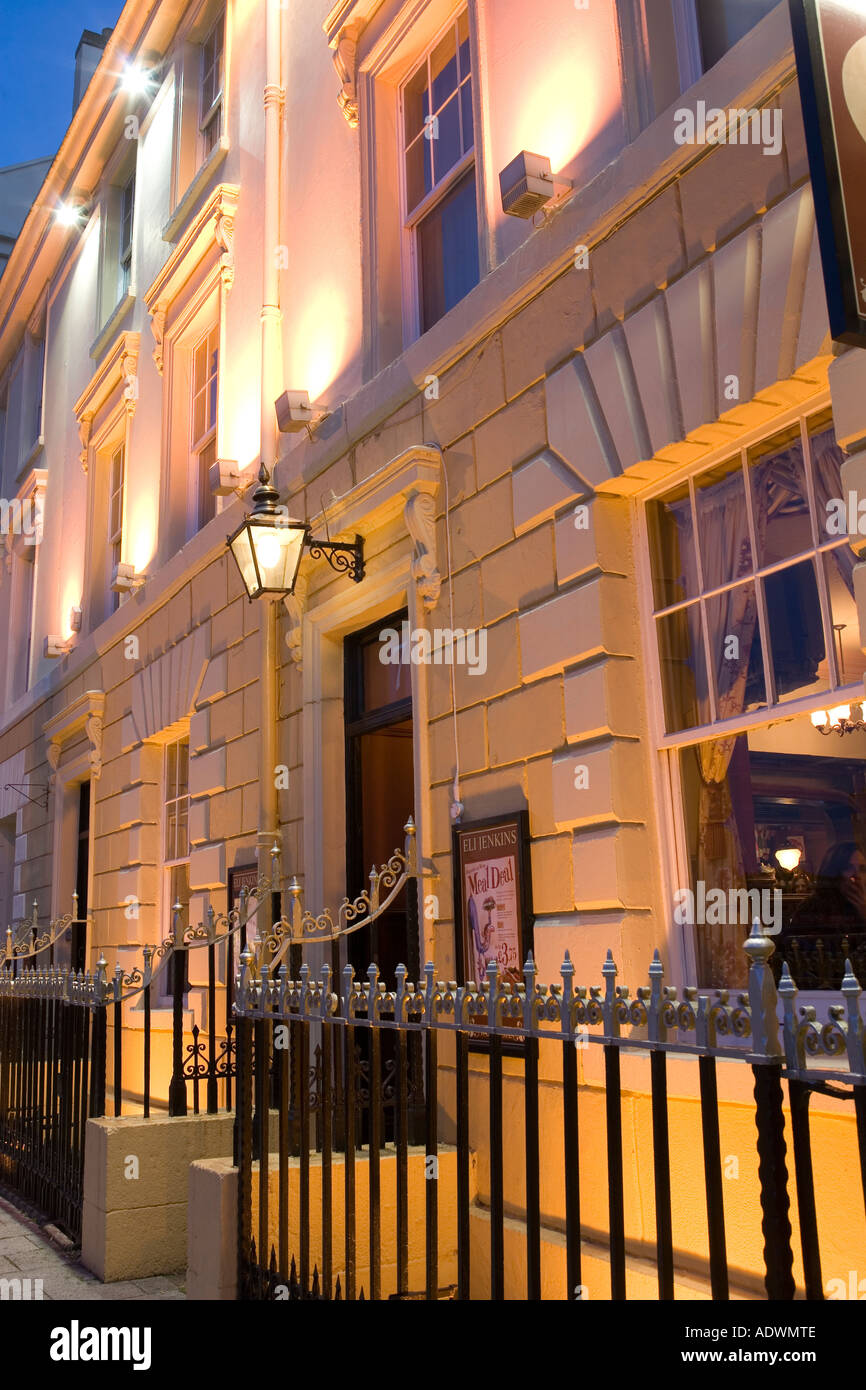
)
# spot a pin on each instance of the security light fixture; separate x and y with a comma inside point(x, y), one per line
point(268, 546)
point(54, 646)
point(125, 579)
point(527, 184)
point(136, 80)
point(294, 412)
point(71, 214)
point(75, 619)
point(223, 478)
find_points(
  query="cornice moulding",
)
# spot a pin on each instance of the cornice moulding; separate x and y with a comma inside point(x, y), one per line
point(211, 228)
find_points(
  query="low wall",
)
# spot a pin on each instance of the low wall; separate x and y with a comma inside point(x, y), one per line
point(136, 1179)
point(212, 1228)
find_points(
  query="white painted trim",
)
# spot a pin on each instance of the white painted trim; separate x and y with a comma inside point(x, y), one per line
point(688, 41)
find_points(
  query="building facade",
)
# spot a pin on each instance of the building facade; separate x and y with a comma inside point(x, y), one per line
point(605, 439)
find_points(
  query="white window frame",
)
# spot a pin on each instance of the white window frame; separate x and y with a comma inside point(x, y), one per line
point(666, 771)
point(214, 115)
point(125, 215)
point(199, 444)
point(168, 864)
point(116, 489)
point(412, 328)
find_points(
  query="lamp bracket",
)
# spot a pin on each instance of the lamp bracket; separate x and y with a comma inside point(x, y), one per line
point(345, 558)
point(19, 788)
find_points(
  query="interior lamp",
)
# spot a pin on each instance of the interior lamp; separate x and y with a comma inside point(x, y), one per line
point(788, 858)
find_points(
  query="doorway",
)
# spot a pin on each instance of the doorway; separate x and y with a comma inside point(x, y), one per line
point(78, 945)
point(7, 871)
point(380, 793)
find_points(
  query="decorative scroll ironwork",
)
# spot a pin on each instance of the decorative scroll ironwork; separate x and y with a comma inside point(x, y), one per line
point(716, 1024)
point(342, 556)
point(29, 942)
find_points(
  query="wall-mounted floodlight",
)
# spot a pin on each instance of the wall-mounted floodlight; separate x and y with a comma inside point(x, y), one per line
point(295, 413)
point(224, 478)
point(124, 579)
point(54, 646)
point(527, 184)
point(136, 80)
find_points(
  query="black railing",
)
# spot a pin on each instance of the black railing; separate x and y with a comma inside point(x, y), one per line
point(300, 1241)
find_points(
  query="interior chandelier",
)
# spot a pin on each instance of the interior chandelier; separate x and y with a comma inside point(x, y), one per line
point(837, 721)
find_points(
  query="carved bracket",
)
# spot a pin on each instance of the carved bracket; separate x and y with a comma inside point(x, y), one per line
point(295, 606)
point(420, 517)
point(157, 328)
point(129, 371)
point(224, 233)
point(85, 424)
point(345, 48)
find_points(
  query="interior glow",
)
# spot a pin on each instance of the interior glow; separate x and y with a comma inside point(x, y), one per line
point(268, 550)
point(819, 718)
point(788, 858)
point(839, 713)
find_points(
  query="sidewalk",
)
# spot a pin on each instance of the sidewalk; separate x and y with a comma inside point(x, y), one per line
point(27, 1253)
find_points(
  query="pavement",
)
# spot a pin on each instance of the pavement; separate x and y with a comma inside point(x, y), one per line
point(28, 1252)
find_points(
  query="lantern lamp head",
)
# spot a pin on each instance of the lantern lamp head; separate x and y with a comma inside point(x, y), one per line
point(268, 544)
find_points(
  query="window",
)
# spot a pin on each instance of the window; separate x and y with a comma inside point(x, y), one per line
point(127, 203)
point(756, 630)
point(205, 375)
point(722, 23)
point(21, 625)
point(438, 142)
point(175, 846)
point(115, 516)
point(211, 89)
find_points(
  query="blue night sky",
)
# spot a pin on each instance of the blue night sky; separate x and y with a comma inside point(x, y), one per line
point(39, 42)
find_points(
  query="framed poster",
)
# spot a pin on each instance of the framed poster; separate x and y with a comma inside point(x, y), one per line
point(830, 49)
point(493, 900)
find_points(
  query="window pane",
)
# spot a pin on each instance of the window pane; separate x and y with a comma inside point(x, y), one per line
point(839, 569)
point(199, 366)
point(171, 772)
point(683, 669)
point(723, 525)
point(827, 460)
point(199, 425)
point(736, 652)
point(171, 831)
point(443, 69)
point(466, 108)
point(723, 23)
point(384, 682)
point(795, 631)
point(463, 41)
point(448, 251)
point(419, 171)
point(182, 768)
point(206, 498)
point(672, 548)
point(415, 104)
point(780, 503)
point(446, 142)
point(212, 393)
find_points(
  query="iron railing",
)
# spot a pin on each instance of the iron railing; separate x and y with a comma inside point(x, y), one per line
point(274, 1246)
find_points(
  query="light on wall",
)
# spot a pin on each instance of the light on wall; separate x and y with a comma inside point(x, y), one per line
point(54, 646)
point(70, 214)
point(268, 546)
point(75, 619)
point(295, 413)
point(527, 184)
point(125, 579)
point(136, 80)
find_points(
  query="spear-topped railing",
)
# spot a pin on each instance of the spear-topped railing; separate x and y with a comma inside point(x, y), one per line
point(26, 942)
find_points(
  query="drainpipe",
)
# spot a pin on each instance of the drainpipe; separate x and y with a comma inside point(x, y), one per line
point(271, 376)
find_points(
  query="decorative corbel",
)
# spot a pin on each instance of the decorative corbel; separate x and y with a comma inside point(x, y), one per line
point(94, 734)
point(420, 517)
point(224, 232)
point(53, 755)
point(345, 47)
point(85, 423)
point(157, 328)
point(129, 369)
point(295, 606)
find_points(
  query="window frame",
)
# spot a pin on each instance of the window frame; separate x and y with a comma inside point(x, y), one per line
point(665, 763)
point(207, 141)
point(114, 540)
point(201, 444)
point(168, 865)
point(410, 220)
point(125, 214)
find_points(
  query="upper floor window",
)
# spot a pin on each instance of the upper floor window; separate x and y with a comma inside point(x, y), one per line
point(440, 204)
point(115, 516)
point(722, 23)
point(125, 212)
point(211, 89)
point(756, 631)
point(204, 383)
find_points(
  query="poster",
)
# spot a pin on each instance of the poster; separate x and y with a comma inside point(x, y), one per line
point(492, 897)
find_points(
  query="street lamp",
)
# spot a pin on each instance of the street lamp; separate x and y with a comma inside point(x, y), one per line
point(268, 546)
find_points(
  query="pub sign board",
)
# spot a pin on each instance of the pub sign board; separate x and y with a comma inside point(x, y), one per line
point(830, 49)
point(493, 902)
